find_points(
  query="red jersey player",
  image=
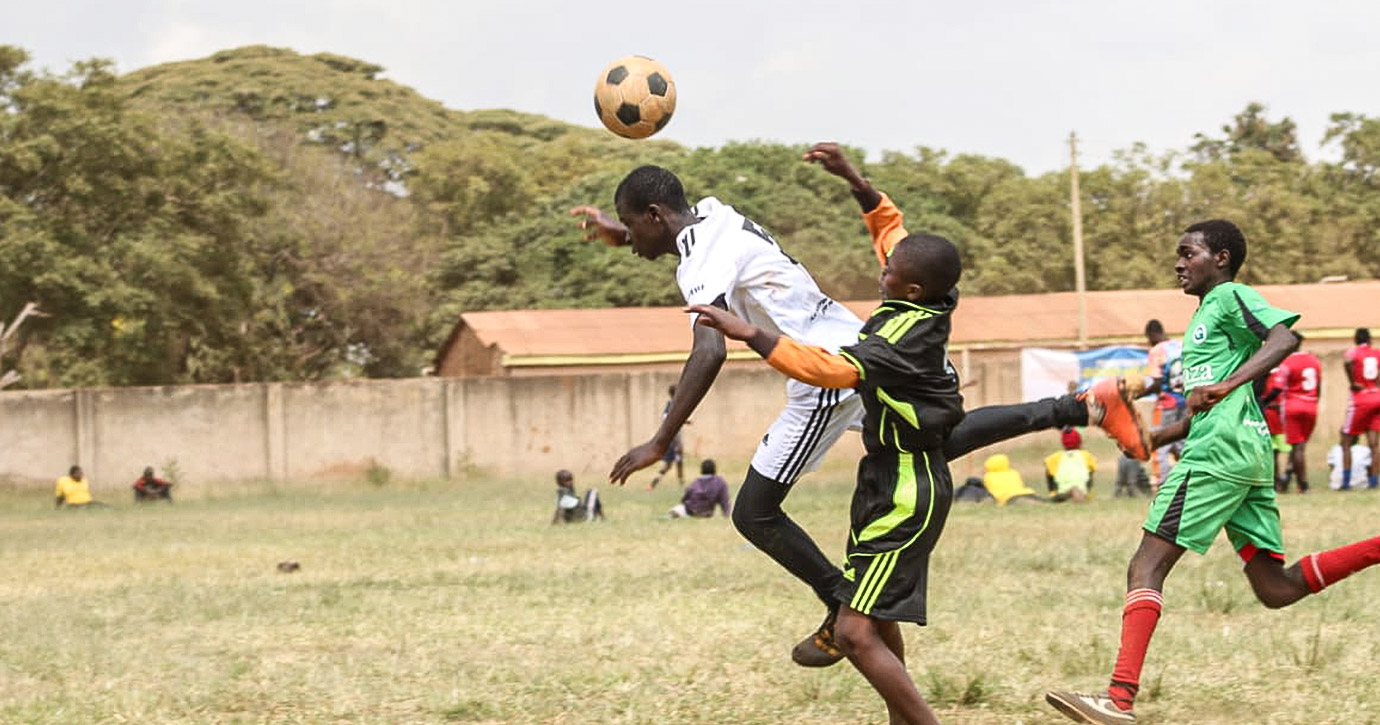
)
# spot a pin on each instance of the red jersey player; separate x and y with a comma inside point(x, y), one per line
point(1300, 376)
point(1362, 366)
point(1269, 394)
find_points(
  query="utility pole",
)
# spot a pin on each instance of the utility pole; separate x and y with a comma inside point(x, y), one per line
point(1075, 202)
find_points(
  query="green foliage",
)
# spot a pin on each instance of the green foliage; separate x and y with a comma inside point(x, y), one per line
point(265, 215)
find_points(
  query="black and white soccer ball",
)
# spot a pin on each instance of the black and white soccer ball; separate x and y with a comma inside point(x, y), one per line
point(635, 97)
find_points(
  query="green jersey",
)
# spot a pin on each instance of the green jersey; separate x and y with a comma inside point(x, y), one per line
point(1230, 441)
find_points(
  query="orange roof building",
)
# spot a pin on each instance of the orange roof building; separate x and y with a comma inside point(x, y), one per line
point(527, 342)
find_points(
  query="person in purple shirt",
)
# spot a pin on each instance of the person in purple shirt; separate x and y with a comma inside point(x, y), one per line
point(703, 494)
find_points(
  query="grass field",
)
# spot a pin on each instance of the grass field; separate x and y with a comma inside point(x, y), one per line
point(457, 602)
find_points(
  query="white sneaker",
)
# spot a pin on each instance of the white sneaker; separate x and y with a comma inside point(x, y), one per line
point(1098, 709)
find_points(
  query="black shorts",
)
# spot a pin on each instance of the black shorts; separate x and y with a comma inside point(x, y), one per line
point(899, 509)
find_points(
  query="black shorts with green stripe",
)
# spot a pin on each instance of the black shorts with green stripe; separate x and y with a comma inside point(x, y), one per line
point(899, 507)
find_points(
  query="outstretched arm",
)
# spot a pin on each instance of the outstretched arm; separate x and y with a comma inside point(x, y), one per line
point(806, 363)
point(706, 358)
point(884, 221)
point(1278, 344)
point(601, 226)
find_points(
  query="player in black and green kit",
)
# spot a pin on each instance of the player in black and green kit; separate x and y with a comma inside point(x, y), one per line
point(909, 390)
point(1225, 478)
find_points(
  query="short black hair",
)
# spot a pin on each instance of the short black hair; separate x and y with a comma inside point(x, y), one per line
point(74, 470)
point(708, 468)
point(1154, 327)
point(1220, 234)
point(1363, 336)
point(647, 185)
point(928, 260)
point(564, 475)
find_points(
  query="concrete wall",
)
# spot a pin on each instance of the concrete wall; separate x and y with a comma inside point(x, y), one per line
point(430, 427)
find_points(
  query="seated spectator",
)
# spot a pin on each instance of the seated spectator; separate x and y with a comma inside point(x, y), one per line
point(1005, 484)
point(73, 490)
point(1360, 465)
point(1131, 478)
point(1069, 472)
point(972, 491)
point(703, 494)
point(151, 488)
point(570, 506)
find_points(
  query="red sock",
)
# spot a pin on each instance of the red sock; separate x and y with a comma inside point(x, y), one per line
point(1138, 621)
point(1325, 568)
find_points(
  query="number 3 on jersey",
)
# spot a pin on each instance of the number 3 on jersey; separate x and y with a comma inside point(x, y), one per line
point(752, 226)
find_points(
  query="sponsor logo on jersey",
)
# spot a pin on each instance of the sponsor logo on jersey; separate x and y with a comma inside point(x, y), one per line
point(1198, 375)
point(1260, 426)
point(1200, 333)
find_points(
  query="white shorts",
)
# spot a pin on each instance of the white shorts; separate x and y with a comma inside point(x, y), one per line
point(814, 419)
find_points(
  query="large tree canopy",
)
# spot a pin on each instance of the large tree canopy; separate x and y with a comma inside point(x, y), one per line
point(266, 215)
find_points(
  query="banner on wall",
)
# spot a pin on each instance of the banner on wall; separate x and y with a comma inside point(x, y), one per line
point(1047, 373)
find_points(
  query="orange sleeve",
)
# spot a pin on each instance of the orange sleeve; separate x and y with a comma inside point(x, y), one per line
point(887, 225)
point(813, 365)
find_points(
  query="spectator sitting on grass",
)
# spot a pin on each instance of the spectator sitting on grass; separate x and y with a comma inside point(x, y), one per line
point(149, 487)
point(1004, 483)
point(73, 490)
point(703, 494)
point(570, 506)
point(1069, 472)
point(1360, 464)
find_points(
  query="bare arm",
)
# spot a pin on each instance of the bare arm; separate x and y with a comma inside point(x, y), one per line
point(1170, 433)
point(884, 221)
point(1278, 344)
point(601, 226)
point(706, 358)
point(806, 363)
point(831, 157)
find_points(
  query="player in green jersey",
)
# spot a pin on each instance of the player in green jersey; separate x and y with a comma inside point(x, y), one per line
point(1224, 479)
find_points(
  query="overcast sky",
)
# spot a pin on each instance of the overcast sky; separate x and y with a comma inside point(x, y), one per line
point(1008, 79)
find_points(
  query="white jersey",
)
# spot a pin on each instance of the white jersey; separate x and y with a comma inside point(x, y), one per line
point(727, 258)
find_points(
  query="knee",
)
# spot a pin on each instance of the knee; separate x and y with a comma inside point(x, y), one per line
point(1143, 574)
point(758, 505)
point(751, 516)
point(852, 634)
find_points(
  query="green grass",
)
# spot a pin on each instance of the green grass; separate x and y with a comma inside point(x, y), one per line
point(457, 602)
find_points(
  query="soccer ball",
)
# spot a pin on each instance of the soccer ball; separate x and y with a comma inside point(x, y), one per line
point(635, 97)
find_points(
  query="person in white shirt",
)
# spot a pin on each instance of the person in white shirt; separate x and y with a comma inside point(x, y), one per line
point(731, 262)
point(1360, 464)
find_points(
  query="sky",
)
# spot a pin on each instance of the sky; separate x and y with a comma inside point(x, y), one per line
point(1006, 78)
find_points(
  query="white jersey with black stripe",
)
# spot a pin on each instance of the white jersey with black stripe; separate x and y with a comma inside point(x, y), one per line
point(729, 258)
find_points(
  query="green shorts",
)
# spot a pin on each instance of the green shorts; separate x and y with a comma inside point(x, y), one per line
point(1193, 505)
point(1279, 443)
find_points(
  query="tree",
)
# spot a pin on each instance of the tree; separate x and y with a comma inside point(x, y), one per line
point(10, 377)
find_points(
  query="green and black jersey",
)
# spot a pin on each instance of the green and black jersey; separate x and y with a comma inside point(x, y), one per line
point(909, 388)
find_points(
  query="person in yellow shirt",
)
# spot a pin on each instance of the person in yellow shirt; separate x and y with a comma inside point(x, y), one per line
point(73, 490)
point(1004, 483)
point(1069, 472)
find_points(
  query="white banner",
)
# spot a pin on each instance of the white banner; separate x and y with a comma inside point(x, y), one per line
point(1050, 373)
